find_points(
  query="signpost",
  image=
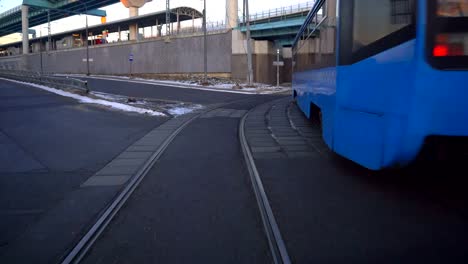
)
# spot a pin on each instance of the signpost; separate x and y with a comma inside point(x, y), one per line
point(130, 59)
point(278, 64)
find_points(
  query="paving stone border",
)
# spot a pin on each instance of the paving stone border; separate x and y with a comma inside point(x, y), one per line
point(128, 163)
point(278, 129)
point(223, 112)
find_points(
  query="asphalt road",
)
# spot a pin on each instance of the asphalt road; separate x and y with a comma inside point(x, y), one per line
point(142, 90)
point(49, 145)
point(196, 204)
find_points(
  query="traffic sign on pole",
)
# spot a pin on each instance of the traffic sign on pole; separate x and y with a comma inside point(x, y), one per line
point(130, 59)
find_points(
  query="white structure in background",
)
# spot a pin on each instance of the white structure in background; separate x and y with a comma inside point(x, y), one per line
point(133, 6)
point(25, 28)
point(231, 13)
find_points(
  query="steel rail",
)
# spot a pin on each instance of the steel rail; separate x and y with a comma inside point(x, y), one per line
point(87, 241)
point(275, 240)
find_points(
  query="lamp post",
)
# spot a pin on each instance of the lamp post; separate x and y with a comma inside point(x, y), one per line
point(86, 38)
point(40, 51)
point(87, 45)
point(49, 32)
point(249, 47)
point(87, 35)
point(205, 55)
point(277, 67)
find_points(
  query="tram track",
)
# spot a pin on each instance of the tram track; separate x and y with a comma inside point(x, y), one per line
point(80, 249)
point(86, 242)
point(272, 231)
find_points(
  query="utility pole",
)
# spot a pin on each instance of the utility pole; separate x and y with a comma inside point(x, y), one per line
point(40, 51)
point(87, 35)
point(49, 37)
point(168, 18)
point(205, 55)
point(243, 13)
point(249, 47)
point(87, 45)
point(277, 67)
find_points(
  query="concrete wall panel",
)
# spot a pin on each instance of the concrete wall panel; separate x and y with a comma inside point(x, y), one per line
point(181, 55)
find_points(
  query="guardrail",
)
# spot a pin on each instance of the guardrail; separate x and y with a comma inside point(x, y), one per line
point(46, 80)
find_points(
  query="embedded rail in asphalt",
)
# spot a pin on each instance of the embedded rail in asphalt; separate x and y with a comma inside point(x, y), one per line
point(157, 140)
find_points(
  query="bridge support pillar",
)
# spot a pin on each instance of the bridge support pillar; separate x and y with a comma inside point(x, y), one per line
point(25, 28)
point(231, 13)
point(178, 22)
point(133, 28)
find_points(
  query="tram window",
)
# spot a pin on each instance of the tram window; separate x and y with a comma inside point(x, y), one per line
point(377, 25)
point(374, 20)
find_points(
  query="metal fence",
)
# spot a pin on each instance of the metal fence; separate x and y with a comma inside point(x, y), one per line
point(211, 28)
point(46, 80)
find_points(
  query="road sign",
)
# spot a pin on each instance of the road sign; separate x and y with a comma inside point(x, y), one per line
point(278, 63)
point(130, 57)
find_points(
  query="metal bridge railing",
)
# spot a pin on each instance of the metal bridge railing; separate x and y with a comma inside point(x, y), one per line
point(10, 11)
point(281, 12)
point(46, 80)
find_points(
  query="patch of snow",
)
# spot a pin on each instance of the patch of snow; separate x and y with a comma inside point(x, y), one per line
point(108, 96)
point(87, 100)
point(182, 110)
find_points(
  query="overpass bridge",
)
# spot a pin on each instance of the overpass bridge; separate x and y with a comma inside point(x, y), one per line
point(40, 12)
point(36, 12)
point(75, 38)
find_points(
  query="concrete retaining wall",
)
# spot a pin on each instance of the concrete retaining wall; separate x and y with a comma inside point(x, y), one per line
point(263, 56)
point(181, 55)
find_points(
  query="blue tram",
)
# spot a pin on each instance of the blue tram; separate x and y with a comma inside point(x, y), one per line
point(384, 76)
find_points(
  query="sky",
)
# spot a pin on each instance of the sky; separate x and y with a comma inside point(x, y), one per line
point(216, 11)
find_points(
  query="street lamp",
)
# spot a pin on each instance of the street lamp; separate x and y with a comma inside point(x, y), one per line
point(277, 67)
point(86, 38)
point(249, 47)
point(205, 55)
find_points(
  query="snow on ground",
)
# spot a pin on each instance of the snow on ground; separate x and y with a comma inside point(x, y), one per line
point(88, 100)
point(112, 97)
point(174, 109)
point(182, 110)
